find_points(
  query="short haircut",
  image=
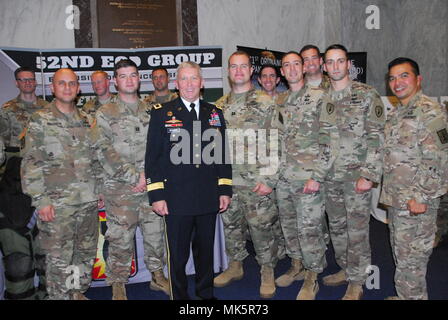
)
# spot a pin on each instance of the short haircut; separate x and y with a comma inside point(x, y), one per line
point(161, 69)
point(23, 69)
point(124, 63)
point(189, 64)
point(308, 47)
point(240, 53)
point(101, 72)
point(336, 47)
point(401, 60)
point(269, 66)
point(291, 52)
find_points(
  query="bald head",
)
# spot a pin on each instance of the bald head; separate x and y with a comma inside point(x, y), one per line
point(65, 85)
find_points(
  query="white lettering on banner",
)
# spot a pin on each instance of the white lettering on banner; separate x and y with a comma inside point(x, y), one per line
point(373, 21)
point(156, 60)
point(75, 62)
point(55, 62)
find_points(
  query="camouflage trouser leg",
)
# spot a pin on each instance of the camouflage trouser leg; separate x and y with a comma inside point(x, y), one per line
point(124, 213)
point(69, 243)
point(442, 217)
point(302, 216)
point(259, 213)
point(288, 219)
point(39, 261)
point(19, 264)
point(412, 239)
point(349, 216)
point(280, 238)
point(153, 232)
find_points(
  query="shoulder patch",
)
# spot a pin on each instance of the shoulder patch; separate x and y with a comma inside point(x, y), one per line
point(157, 106)
point(379, 111)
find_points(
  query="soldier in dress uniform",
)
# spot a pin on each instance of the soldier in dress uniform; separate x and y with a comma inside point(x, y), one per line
point(189, 181)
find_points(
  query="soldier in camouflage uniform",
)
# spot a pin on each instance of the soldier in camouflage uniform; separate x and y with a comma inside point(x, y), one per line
point(19, 243)
point(59, 172)
point(301, 210)
point(161, 94)
point(415, 173)
point(245, 110)
point(100, 84)
point(360, 118)
point(312, 65)
point(122, 128)
point(15, 114)
point(268, 79)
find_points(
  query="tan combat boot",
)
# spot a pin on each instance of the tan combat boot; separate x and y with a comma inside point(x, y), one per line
point(77, 295)
point(159, 282)
point(233, 272)
point(267, 287)
point(354, 292)
point(335, 279)
point(295, 273)
point(310, 287)
point(119, 291)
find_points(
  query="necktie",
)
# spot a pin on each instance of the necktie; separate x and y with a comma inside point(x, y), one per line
point(193, 112)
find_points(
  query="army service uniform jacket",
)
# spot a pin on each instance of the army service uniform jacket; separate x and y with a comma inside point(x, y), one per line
point(178, 167)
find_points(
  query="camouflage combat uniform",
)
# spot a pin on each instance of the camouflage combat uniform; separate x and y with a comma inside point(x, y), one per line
point(360, 118)
point(325, 83)
point(14, 116)
point(415, 156)
point(122, 132)
point(91, 106)
point(152, 99)
point(251, 110)
point(20, 245)
point(301, 215)
point(59, 169)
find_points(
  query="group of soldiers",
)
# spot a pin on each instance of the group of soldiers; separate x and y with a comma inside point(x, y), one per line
point(334, 145)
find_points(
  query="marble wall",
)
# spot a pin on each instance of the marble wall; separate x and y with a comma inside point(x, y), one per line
point(413, 28)
point(35, 24)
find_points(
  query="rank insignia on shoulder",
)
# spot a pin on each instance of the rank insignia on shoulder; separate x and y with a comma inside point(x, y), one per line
point(157, 106)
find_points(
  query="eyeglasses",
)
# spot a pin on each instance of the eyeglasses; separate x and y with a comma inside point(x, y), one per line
point(26, 80)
